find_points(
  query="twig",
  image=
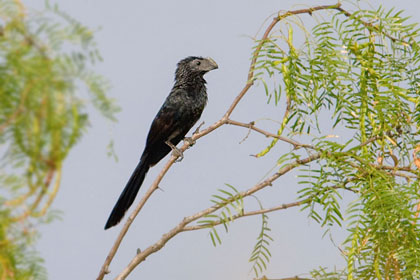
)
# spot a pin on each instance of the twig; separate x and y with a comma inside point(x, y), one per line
point(416, 215)
point(250, 213)
point(368, 141)
point(370, 26)
point(276, 208)
point(400, 168)
point(52, 195)
point(44, 187)
point(251, 126)
point(248, 133)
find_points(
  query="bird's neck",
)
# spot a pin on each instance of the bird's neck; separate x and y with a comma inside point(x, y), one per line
point(190, 82)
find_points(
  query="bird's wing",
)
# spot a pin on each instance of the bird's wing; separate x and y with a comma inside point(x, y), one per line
point(164, 126)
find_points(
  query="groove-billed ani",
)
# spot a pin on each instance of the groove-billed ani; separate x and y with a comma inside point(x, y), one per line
point(180, 111)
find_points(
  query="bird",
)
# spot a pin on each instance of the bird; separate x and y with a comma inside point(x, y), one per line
point(178, 114)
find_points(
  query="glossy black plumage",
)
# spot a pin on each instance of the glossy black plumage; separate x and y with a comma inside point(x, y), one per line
point(180, 111)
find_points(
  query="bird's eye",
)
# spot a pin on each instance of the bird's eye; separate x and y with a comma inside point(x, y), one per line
point(198, 62)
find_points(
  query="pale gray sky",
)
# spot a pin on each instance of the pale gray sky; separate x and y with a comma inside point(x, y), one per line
point(141, 42)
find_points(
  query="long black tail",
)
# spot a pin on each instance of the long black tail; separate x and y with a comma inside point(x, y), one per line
point(129, 193)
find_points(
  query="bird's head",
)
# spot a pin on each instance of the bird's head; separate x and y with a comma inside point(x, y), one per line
point(194, 65)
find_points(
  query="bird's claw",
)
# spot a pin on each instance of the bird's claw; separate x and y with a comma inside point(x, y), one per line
point(178, 153)
point(175, 151)
point(190, 141)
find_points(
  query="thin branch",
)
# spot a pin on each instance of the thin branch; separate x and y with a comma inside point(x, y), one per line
point(263, 39)
point(368, 141)
point(276, 208)
point(399, 168)
point(252, 126)
point(150, 191)
point(370, 26)
point(416, 214)
point(247, 214)
point(393, 169)
point(140, 257)
point(51, 196)
point(44, 187)
point(250, 80)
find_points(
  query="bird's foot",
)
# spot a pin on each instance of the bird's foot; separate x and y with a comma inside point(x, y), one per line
point(175, 151)
point(190, 141)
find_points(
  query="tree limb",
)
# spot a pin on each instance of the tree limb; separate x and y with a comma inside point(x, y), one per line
point(140, 257)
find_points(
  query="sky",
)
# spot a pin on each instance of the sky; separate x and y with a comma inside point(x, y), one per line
point(141, 42)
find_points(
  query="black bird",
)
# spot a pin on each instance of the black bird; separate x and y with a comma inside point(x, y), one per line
point(180, 111)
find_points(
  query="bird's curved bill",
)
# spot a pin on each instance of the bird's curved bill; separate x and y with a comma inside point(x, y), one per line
point(211, 63)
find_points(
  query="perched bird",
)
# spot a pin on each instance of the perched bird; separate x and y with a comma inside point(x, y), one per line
point(180, 111)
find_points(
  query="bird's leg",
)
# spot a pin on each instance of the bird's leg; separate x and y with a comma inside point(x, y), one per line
point(175, 151)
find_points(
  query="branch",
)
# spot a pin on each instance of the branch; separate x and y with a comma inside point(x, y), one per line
point(276, 208)
point(393, 169)
point(150, 191)
point(140, 257)
point(400, 168)
point(263, 39)
point(43, 190)
point(52, 195)
point(370, 26)
point(250, 213)
point(252, 126)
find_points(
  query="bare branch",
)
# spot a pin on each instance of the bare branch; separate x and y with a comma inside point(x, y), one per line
point(251, 126)
point(276, 208)
point(140, 257)
point(247, 214)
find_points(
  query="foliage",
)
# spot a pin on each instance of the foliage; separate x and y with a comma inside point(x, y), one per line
point(230, 202)
point(361, 71)
point(261, 255)
point(45, 61)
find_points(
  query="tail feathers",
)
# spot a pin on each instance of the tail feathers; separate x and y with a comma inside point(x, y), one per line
point(129, 194)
